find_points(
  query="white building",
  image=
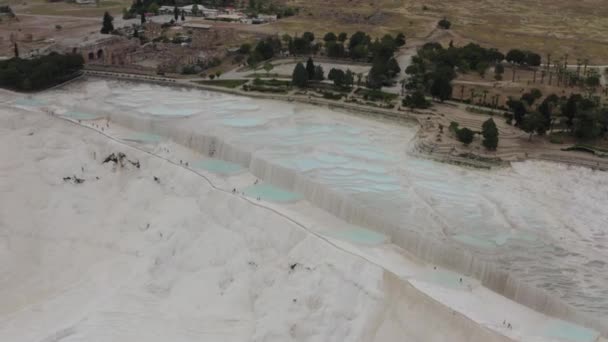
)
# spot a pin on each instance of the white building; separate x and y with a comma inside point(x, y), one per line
point(268, 17)
point(165, 10)
point(202, 11)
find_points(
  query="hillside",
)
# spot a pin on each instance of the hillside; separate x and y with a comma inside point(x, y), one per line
point(546, 26)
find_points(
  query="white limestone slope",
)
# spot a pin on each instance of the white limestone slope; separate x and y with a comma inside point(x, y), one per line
point(123, 258)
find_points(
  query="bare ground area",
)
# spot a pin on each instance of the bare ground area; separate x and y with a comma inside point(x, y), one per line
point(557, 27)
point(33, 32)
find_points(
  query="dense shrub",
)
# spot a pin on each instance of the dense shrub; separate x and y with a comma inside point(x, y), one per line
point(39, 73)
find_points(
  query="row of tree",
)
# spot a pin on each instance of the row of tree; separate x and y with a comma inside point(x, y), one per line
point(359, 47)
point(40, 72)
point(583, 117)
point(434, 67)
point(302, 75)
point(523, 57)
point(489, 133)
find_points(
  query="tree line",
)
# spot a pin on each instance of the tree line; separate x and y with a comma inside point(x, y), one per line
point(434, 67)
point(359, 47)
point(302, 75)
point(40, 72)
point(582, 117)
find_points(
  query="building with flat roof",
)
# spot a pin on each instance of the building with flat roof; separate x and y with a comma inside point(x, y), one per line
point(196, 26)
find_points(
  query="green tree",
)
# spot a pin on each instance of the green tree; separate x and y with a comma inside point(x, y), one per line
point(299, 77)
point(534, 123)
point(195, 10)
point(175, 13)
point(183, 15)
point(516, 56)
point(308, 36)
point(265, 49)
point(465, 135)
point(245, 48)
point(518, 109)
point(337, 76)
point(142, 18)
point(416, 100)
point(489, 131)
point(531, 96)
point(107, 26)
point(547, 108)
point(393, 68)
point(400, 39)
point(499, 69)
point(349, 78)
point(587, 124)
point(441, 88)
point(359, 38)
point(153, 8)
point(268, 67)
point(301, 46)
point(310, 68)
point(330, 37)
point(342, 37)
point(319, 73)
point(334, 49)
point(444, 24)
point(533, 59)
point(377, 75)
point(359, 52)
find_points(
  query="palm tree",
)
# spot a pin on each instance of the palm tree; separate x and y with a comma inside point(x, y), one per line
point(542, 76)
point(586, 62)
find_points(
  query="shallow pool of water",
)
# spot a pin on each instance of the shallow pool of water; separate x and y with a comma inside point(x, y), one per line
point(271, 193)
point(565, 331)
point(218, 166)
point(359, 235)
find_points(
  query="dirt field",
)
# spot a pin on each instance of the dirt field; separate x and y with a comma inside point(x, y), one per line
point(43, 31)
point(558, 27)
point(546, 26)
point(467, 84)
point(70, 9)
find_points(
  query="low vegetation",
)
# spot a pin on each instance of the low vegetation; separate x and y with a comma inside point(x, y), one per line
point(603, 153)
point(376, 95)
point(232, 84)
point(464, 135)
